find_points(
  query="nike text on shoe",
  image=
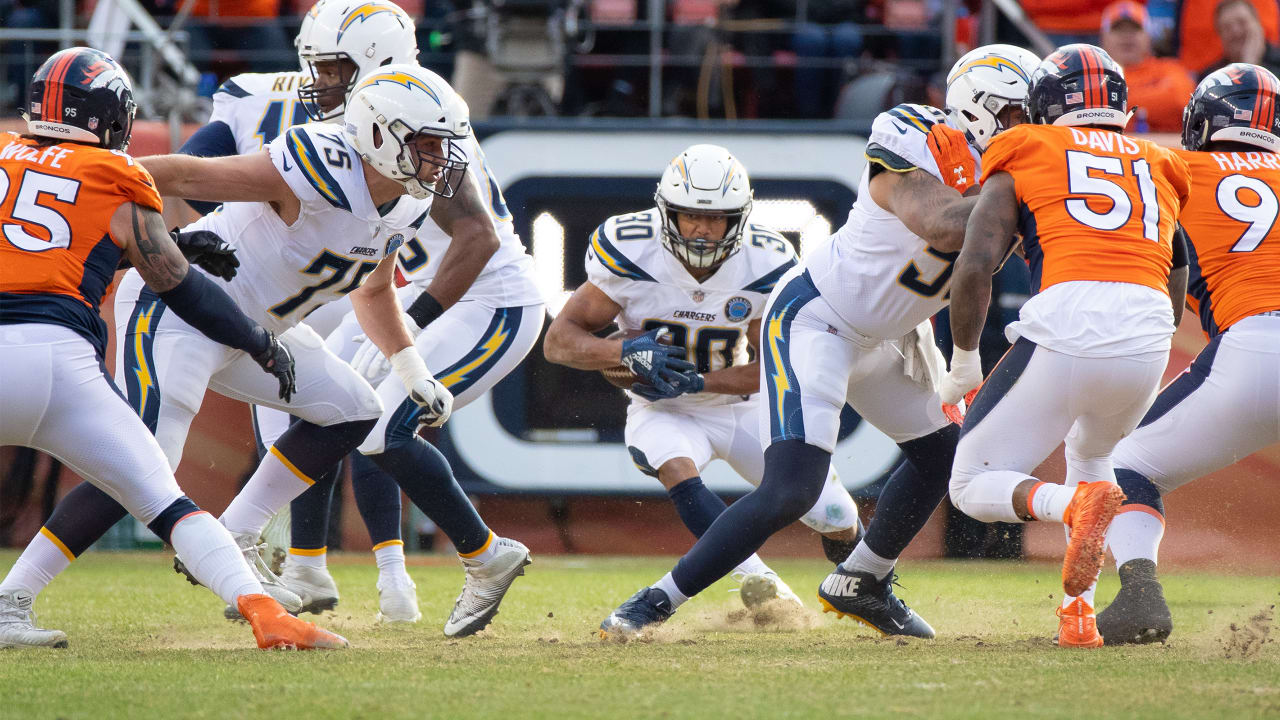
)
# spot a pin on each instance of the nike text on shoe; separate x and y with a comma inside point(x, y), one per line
point(1077, 626)
point(649, 606)
point(1089, 514)
point(859, 595)
point(18, 623)
point(398, 600)
point(314, 584)
point(1139, 614)
point(273, 628)
point(484, 587)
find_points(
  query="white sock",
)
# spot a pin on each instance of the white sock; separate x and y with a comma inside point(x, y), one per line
point(390, 558)
point(318, 559)
point(668, 585)
point(1049, 501)
point(988, 496)
point(44, 557)
point(485, 553)
point(753, 566)
point(1087, 596)
point(862, 559)
point(273, 485)
point(1134, 533)
point(208, 551)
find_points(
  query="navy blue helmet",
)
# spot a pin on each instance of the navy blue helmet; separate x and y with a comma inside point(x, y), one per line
point(1078, 85)
point(1236, 103)
point(82, 95)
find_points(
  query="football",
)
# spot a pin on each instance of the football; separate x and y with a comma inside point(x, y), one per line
point(619, 375)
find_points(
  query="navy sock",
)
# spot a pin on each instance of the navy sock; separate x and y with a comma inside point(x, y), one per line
point(697, 506)
point(309, 512)
point(794, 474)
point(377, 497)
point(913, 491)
point(315, 449)
point(1139, 490)
point(425, 476)
point(84, 515)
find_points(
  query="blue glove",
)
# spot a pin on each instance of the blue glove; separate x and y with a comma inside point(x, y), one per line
point(658, 366)
point(685, 383)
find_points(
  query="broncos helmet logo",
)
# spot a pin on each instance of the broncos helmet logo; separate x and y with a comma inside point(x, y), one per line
point(400, 78)
point(364, 12)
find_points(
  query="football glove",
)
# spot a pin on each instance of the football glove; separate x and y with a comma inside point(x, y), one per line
point(277, 360)
point(369, 360)
point(434, 399)
point(684, 384)
point(963, 379)
point(658, 366)
point(955, 162)
point(206, 249)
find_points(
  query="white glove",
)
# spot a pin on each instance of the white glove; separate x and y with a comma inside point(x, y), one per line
point(369, 360)
point(964, 376)
point(428, 393)
point(435, 400)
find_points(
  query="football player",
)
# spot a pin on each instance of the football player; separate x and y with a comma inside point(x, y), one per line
point(1097, 212)
point(1223, 407)
point(479, 305)
point(849, 324)
point(72, 203)
point(696, 267)
point(325, 190)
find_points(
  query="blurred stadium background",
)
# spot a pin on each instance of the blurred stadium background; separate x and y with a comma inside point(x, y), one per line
point(579, 104)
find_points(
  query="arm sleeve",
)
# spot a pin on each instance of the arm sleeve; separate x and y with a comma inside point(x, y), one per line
point(212, 140)
point(204, 306)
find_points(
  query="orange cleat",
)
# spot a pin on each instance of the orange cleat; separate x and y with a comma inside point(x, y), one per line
point(1089, 514)
point(274, 628)
point(1077, 626)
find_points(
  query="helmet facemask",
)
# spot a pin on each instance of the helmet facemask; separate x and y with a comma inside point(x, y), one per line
point(452, 161)
point(314, 99)
point(701, 253)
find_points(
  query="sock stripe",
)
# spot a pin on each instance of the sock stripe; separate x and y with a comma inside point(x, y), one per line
point(1031, 500)
point(488, 541)
point(1134, 507)
point(57, 543)
point(390, 543)
point(309, 552)
point(292, 468)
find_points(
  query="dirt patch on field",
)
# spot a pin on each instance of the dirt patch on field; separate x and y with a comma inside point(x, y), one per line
point(1244, 641)
point(772, 616)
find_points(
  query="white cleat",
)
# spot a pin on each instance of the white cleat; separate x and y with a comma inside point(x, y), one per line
point(398, 600)
point(18, 623)
point(314, 584)
point(276, 536)
point(484, 587)
point(271, 584)
point(759, 588)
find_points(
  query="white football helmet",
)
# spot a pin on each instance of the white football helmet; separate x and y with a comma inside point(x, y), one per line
point(982, 84)
point(390, 108)
point(704, 180)
point(368, 34)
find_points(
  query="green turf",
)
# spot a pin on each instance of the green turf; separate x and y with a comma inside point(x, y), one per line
point(145, 644)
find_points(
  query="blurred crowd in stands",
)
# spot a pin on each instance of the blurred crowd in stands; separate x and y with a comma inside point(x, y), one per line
point(719, 58)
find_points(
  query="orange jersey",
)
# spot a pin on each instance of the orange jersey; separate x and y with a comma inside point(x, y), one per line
point(1093, 204)
point(1235, 239)
point(57, 256)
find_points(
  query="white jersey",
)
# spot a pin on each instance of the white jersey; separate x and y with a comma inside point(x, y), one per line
point(507, 279)
point(286, 271)
point(880, 277)
point(259, 107)
point(628, 262)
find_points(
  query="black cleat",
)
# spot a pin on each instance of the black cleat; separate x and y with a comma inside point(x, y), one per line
point(837, 551)
point(1139, 613)
point(861, 596)
point(649, 606)
point(182, 570)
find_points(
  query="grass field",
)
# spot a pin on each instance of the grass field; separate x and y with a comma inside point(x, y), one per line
point(145, 644)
